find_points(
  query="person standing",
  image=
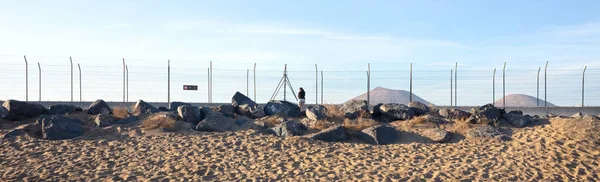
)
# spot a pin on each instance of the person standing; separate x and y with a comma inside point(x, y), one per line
point(301, 99)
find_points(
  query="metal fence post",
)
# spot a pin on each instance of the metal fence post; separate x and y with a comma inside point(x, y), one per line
point(451, 96)
point(368, 89)
point(40, 81)
point(583, 86)
point(537, 97)
point(369, 85)
point(208, 83)
point(546, 85)
point(285, 83)
point(127, 79)
point(70, 59)
point(211, 82)
point(169, 82)
point(26, 79)
point(316, 84)
point(254, 74)
point(80, 97)
point(124, 80)
point(411, 93)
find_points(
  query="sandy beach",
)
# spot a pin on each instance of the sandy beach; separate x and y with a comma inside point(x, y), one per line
point(234, 90)
point(545, 152)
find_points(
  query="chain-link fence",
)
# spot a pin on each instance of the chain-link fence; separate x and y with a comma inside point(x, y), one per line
point(440, 83)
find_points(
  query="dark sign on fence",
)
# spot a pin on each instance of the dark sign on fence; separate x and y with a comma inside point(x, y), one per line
point(190, 87)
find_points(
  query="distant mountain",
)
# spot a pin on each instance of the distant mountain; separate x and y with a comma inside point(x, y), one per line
point(521, 100)
point(384, 95)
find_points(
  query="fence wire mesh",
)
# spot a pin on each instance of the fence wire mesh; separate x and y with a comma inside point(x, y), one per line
point(102, 78)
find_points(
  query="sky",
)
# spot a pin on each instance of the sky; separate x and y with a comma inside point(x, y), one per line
point(341, 37)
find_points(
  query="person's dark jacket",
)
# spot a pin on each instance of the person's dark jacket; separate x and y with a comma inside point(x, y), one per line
point(301, 94)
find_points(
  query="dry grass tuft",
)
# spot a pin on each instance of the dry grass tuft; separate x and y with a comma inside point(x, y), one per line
point(158, 121)
point(416, 120)
point(120, 112)
point(364, 114)
point(433, 108)
point(272, 120)
point(462, 125)
point(322, 125)
point(319, 125)
point(485, 121)
point(334, 113)
point(359, 124)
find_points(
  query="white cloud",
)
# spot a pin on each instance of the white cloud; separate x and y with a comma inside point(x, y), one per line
point(360, 38)
point(438, 43)
point(586, 29)
point(276, 30)
point(118, 26)
point(250, 30)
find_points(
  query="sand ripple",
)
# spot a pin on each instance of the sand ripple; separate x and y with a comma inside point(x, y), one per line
point(542, 153)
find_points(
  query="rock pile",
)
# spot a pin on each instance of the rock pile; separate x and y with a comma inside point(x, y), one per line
point(173, 106)
point(379, 135)
point(3, 112)
point(226, 109)
point(60, 127)
point(393, 111)
point(517, 119)
point(419, 108)
point(63, 109)
point(17, 110)
point(333, 134)
point(437, 135)
point(284, 108)
point(485, 114)
point(246, 107)
point(289, 128)
point(453, 113)
point(318, 112)
point(486, 131)
point(280, 118)
point(355, 108)
point(99, 107)
point(190, 114)
point(216, 122)
point(104, 120)
point(142, 107)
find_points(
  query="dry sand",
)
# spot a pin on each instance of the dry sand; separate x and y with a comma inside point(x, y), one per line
point(563, 150)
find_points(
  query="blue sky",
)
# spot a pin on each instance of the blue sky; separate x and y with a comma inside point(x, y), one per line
point(340, 36)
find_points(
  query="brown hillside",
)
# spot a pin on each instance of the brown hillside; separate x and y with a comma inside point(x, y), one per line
point(384, 95)
point(521, 100)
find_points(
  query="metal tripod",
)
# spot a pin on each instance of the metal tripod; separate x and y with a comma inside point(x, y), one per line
point(284, 82)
